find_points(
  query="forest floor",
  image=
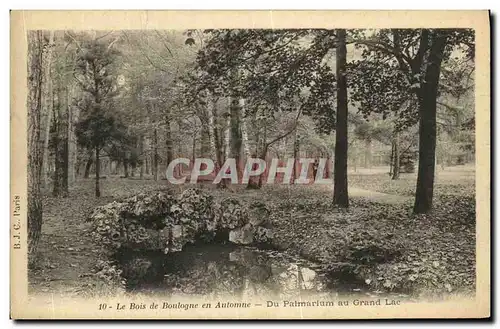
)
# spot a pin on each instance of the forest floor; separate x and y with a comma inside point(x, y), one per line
point(386, 246)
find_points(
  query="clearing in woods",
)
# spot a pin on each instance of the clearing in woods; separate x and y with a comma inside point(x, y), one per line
point(437, 248)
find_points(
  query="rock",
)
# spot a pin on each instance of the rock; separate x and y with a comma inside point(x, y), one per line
point(159, 221)
point(243, 235)
point(258, 214)
point(177, 231)
point(263, 235)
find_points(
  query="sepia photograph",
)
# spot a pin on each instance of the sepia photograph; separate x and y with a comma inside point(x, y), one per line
point(251, 171)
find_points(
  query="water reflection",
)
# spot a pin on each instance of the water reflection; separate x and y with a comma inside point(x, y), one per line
point(222, 270)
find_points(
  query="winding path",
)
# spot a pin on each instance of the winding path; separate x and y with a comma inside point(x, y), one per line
point(372, 195)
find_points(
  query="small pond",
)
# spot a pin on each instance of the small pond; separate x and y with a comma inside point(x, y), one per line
point(222, 269)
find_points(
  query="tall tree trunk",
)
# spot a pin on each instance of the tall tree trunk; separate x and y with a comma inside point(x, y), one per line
point(65, 146)
point(148, 165)
point(60, 146)
point(236, 141)
point(205, 144)
point(296, 147)
point(397, 161)
point(340, 192)
point(254, 182)
point(72, 146)
point(244, 129)
point(427, 130)
point(142, 157)
point(193, 148)
point(263, 156)
point(88, 165)
point(168, 140)
point(35, 156)
point(155, 154)
point(133, 167)
point(227, 138)
point(125, 167)
point(368, 153)
point(215, 140)
point(282, 149)
point(263, 153)
point(65, 168)
point(212, 132)
point(47, 104)
point(391, 160)
point(97, 173)
point(75, 159)
point(56, 181)
point(118, 170)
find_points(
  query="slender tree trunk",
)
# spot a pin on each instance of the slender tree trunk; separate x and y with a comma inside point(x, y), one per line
point(244, 129)
point(368, 153)
point(125, 168)
point(56, 181)
point(168, 140)
point(65, 168)
point(206, 134)
point(193, 149)
point(65, 146)
point(236, 140)
point(216, 142)
point(60, 146)
point(263, 154)
point(75, 159)
point(35, 156)
point(296, 147)
point(142, 157)
point(47, 100)
point(118, 167)
point(179, 152)
point(340, 192)
point(148, 165)
point(88, 165)
point(77, 168)
point(133, 167)
point(155, 154)
point(283, 148)
point(427, 132)
point(97, 173)
point(212, 132)
point(72, 147)
point(227, 138)
point(253, 181)
point(391, 160)
point(397, 161)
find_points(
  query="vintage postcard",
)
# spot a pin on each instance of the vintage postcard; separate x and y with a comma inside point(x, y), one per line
point(250, 164)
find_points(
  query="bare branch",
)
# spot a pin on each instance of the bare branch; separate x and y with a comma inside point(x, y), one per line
point(144, 54)
point(287, 133)
point(104, 35)
point(164, 42)
point(76, 42)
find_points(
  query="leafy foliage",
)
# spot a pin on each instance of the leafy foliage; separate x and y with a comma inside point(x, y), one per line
point(97, 130)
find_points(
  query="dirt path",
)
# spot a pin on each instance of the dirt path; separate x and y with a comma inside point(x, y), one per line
point(377, 196)
point(369, 194)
